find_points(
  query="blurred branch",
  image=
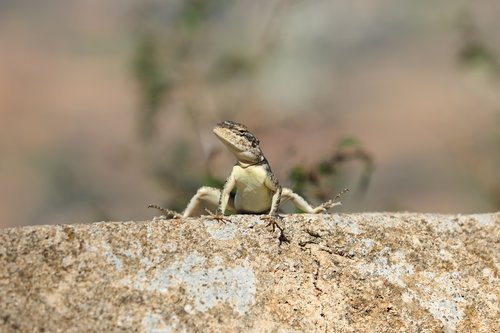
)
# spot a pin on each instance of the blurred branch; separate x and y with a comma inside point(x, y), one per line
point(348, 149)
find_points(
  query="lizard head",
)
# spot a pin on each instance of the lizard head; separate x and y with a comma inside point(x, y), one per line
point(243, 144)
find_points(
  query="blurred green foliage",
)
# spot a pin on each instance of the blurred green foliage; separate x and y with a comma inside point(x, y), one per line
point(348, 149)
point(474, 51)
point(152, 81)
point(232, 65)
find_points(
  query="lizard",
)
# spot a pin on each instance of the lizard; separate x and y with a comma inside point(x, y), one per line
point(258, 191)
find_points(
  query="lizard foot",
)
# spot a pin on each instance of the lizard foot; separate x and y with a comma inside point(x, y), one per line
point(331, 203)
point(169, 214)
point(272, 220)
point(217, 216)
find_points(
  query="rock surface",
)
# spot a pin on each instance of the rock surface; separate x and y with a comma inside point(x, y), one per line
point(338, 273)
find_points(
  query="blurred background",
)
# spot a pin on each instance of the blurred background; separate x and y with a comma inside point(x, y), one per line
point(108, 106)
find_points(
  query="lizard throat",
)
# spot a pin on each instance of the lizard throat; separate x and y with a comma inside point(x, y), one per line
point(246, 165)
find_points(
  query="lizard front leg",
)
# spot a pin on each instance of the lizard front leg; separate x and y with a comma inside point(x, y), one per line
point(224, 199)
point(303, 205)
point(272, 183)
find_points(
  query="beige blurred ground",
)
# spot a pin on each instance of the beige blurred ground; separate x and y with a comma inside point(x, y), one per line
point(384, 72)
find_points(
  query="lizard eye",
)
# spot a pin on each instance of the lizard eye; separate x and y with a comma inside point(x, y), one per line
point(249, 136)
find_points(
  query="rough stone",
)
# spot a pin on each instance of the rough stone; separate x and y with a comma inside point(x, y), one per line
point(376, 272)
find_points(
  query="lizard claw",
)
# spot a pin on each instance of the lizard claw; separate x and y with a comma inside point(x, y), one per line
point(169, 214)
point(217, 216)
point(272, 220)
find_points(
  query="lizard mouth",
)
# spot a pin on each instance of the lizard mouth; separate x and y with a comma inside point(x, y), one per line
point(239, 145)
point(227, 137)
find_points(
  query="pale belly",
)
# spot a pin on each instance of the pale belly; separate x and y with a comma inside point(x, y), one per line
point(252, 196)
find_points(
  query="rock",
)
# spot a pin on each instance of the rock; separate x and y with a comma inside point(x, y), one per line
point(376, 272)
